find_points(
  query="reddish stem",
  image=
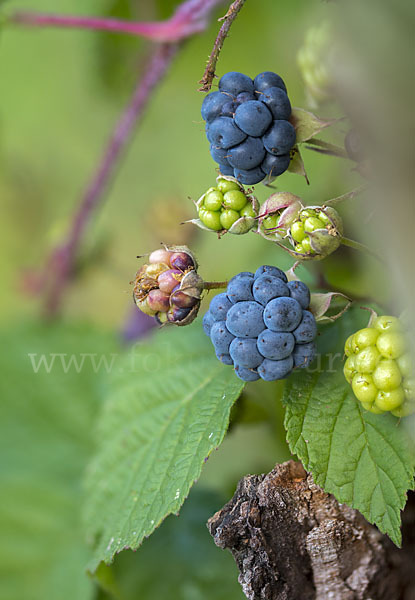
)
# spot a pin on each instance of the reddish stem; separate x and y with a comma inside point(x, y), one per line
point(190, 17)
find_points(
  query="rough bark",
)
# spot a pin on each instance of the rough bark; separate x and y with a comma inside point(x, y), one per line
point(292, 541)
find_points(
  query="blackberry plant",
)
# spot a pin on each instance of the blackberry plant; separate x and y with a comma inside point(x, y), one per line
point(269, 341)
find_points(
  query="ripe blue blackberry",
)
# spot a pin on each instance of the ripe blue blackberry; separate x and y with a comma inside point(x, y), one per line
point(268, 79)
point(275, 165)
point(262, 326)
point(253, 118)
point(246, 155)
point(224, 133)
point(250, 176)
point(279, 138)
point(277, 102)
point(235, 83)
point(249, 121)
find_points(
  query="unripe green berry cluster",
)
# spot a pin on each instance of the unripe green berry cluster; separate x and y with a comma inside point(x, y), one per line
point(310, 220)
point(379, 368)
point(227, 207)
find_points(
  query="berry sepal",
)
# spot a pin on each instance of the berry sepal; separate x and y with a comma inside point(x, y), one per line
point(277, 214)
point(322, 303)
point(227, 208)
point(307, 125)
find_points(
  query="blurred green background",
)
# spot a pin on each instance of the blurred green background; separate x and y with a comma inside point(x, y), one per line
point(61, 93)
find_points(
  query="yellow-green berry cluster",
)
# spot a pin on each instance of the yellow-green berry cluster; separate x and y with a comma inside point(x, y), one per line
point(222, 206)
point(310, 220)
point(379, 368)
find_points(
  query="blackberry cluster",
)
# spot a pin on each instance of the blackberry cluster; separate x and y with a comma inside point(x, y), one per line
point(247, 125)
point(169, 288)
point(379, 368)
point(261, 325)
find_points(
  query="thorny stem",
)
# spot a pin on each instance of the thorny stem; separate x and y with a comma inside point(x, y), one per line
point(189, 18)
point(228, 19)
point(215, 285)
point(62, 260)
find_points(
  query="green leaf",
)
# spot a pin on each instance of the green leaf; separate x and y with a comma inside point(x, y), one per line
point(307, 125)
point(45, 422)
point(166, 410)
point(365, 460)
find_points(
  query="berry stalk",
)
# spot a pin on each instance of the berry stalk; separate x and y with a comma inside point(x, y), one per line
point(215, 285)
point(228, 19)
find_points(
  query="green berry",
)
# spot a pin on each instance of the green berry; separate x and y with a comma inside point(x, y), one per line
point(228, 218)
point(306, 244)
point(348, 347)
point(367, 359)
point(405, 365)
point(387, 376)
point(299, 248)
point(226, 186)
point(408, 385)
point(391, 344)
point(364, 388)
point(390, 400)
point(349, 368)
point(312, 223)
point(324, 218)
point(306, 213)
point(297, 231)
point(211, 219)
point(213, 200)
point(364, 338)
point(247, 211)
point(371, 406)
point(270, 222)
point(234, 199)
point(406, 409)
point(386, 323)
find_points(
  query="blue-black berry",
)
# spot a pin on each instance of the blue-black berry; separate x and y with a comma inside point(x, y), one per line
point(247, 155)
point(275, 165)
point(224, 133)
point(253, 118)
point(234, 83)
point(212, 105)
point(279, 138)
point(277, 102)
point(262, 326)
point(268, 79)
point(250, 176)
